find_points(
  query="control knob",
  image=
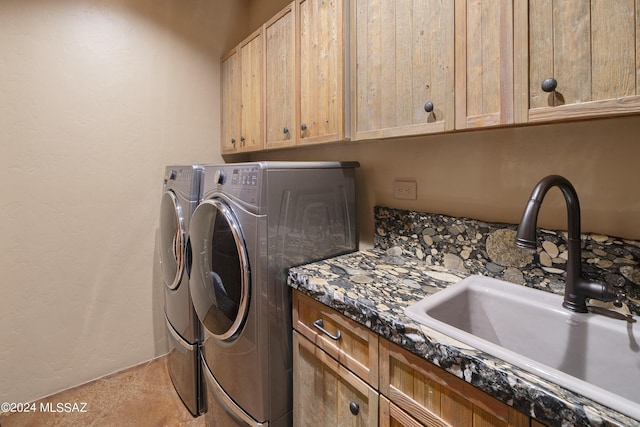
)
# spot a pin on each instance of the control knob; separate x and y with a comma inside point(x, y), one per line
point(171, 176)
point(220, 177)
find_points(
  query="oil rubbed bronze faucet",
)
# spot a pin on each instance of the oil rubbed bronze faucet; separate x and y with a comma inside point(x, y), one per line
point(577, 289)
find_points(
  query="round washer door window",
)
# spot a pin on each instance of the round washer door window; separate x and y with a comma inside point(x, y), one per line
point(172, 240)
point(220, 272)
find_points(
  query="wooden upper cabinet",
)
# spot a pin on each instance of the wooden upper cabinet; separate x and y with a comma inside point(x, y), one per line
point(230, 101)
point(402, 67)
point(590, 48)
point(321, 55)
point(251, 108)
point(484, 63)
point(241, 97)
point(280, 79)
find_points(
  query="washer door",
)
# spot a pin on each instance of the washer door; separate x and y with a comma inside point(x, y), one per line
point(220, 272)
point(172, 240)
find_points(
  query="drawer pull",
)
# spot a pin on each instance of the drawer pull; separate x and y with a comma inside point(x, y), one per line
point(320, 325)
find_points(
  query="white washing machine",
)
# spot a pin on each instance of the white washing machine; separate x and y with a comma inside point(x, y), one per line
point(254, 222)
point(182, 189)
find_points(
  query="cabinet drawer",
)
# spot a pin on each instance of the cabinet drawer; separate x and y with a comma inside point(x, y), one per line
point(354, 346)
point(436, 397)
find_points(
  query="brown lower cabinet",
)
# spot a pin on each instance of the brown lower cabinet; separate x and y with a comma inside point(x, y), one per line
point(326, 393)
point(409, 391)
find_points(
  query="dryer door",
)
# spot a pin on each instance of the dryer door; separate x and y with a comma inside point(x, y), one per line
point(172, 240)
point(220, 272)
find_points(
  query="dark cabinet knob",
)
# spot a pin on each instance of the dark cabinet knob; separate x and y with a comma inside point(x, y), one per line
point(233, 141)
point(549, 85)
point(428, 106)
point(285, 130)
point(303, 127)
point(242, 139)
point(354, 408)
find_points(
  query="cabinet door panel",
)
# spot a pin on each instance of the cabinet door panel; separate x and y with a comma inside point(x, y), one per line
point(321, 53)
point(541, 50)
point(584, 45)
point(403, 58)
point(280, 79)
point(230, 98)
point(613, 37)
point(325, 392)
point(251, 109)
point(560, 49)
point(571, 50)
point(484, 63)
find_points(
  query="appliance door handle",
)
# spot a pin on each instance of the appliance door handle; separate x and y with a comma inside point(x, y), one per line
point(319, 324)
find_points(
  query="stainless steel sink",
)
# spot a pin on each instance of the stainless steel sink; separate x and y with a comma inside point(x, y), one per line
point(591, 354)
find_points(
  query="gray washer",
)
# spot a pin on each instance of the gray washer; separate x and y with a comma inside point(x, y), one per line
point(181, 194)
point(254, 222)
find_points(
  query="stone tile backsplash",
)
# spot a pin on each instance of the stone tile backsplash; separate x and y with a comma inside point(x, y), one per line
point(475, 247)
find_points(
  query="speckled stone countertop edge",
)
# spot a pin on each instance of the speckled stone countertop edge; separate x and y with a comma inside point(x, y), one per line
point(373, 287)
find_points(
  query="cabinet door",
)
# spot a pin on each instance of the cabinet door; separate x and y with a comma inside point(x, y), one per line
point(280, 79)
point(484, 63)
point(392, 416)
point(230, 97)
point(321, 56)
point(590, 50)
point(325, 393)
point(251, 108)
point(436, 397)
point(403, 67)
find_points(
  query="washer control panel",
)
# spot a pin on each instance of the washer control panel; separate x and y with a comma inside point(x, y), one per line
point(179, 174)
point(241, 181)
point(185, 181)
point(245, 177)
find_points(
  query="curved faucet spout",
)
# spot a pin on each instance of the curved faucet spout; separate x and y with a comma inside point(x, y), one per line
point(527, 230)
point(577, 289)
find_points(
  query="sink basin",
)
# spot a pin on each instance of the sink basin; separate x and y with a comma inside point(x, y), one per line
point(591, 354)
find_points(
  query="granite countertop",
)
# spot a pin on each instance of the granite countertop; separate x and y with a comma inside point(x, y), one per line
point(417, 254)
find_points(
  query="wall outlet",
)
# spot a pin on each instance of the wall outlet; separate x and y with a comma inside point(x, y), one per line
point(405, 190)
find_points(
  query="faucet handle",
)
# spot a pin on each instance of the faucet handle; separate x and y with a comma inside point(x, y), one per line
point(619, 298)
point(608, 293)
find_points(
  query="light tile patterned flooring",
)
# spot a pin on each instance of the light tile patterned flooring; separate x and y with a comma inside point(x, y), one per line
point(139, 396)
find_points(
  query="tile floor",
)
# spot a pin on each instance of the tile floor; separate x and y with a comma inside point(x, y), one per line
point(139, 396)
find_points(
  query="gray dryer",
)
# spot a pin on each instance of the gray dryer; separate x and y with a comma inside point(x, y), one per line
point(254, 222)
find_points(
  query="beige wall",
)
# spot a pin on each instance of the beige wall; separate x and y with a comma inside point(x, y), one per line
point(95, 99)
point(489, 175)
